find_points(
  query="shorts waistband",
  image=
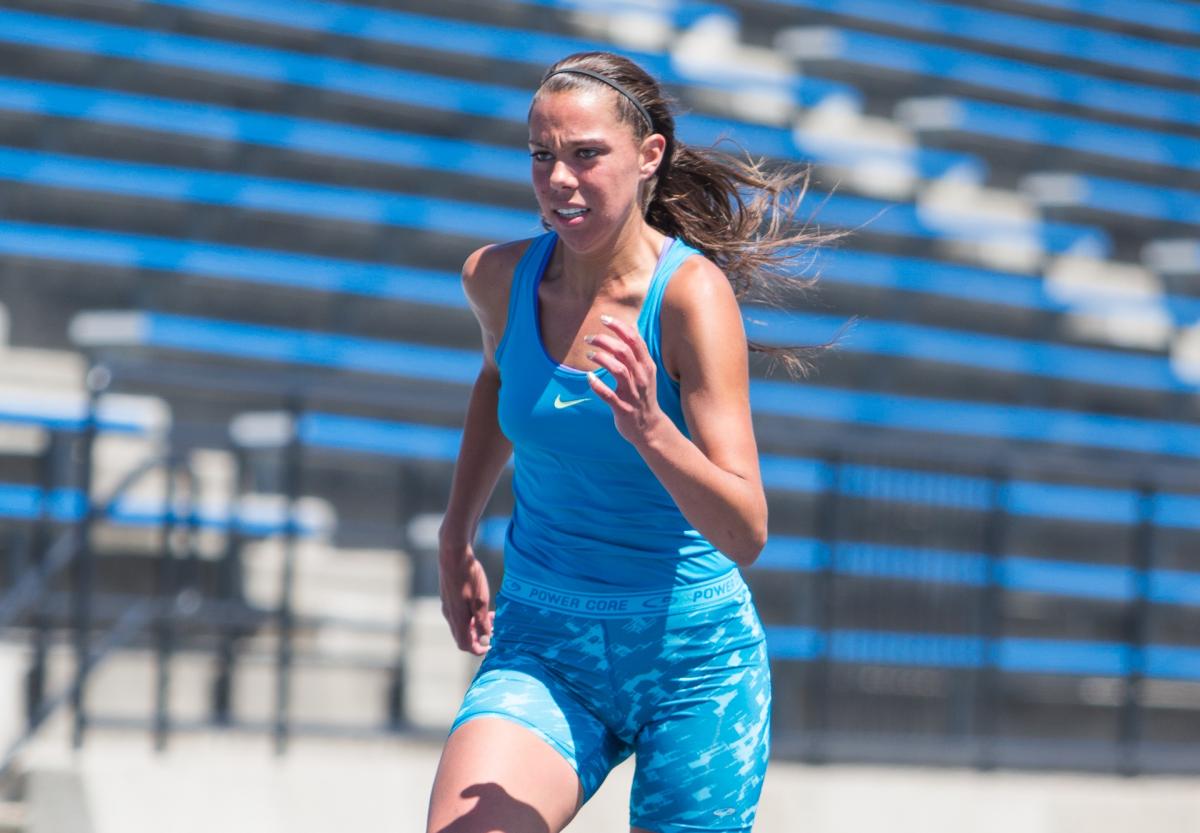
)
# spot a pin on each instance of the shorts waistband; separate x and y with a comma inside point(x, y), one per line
point(615, 605)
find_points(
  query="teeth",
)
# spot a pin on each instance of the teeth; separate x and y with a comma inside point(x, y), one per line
point(569, 212)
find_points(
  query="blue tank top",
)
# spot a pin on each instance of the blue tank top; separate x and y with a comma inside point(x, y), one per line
point(589, 514)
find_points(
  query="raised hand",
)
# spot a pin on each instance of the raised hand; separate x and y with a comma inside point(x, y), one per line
point(634, 403)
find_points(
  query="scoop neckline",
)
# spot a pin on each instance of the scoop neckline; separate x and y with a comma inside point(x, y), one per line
point(537, 307)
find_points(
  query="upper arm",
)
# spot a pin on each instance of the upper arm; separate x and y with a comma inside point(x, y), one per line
point(487, 281)
point(704, 346)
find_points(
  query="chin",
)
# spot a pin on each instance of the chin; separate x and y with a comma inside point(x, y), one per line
point(582, 239)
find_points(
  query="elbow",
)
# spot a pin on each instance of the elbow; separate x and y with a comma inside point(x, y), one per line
point(749, 544)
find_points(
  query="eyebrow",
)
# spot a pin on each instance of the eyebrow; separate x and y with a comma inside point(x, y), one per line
point(575, 142)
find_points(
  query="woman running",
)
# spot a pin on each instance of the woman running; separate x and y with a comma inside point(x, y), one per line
point(615, 371)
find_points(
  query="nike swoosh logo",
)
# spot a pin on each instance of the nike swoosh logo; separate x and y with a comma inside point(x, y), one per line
point(559, 404)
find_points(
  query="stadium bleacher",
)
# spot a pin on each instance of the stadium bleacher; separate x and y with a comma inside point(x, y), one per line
point(240, 205)
point(1164, 19)
point(1065, 44)
point(1086, 195)
point(1153, 154)
point(879, 60)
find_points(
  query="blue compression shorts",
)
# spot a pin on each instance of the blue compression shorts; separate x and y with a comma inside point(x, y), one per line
point(680, 679)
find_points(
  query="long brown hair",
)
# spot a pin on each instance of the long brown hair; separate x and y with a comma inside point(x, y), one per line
point(737, 212)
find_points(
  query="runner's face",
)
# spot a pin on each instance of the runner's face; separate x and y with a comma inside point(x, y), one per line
point(587, 166)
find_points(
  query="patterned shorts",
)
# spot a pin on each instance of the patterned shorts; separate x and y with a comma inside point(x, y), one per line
point(680, 680)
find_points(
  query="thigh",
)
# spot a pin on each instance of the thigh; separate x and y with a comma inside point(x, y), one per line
point(498, 775)
point(702, 758)
point(528, 722)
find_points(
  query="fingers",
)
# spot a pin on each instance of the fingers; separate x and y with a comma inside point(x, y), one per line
point(629, 335)
point(604, 392)
point(482, 622)
point(627, 382)
point(472, 631)
point(623, 353)
point(471, 635)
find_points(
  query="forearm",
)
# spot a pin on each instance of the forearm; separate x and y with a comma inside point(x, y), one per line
point(726, 508)
point(482, 455)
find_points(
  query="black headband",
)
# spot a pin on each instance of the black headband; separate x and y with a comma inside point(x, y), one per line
point(602, 79)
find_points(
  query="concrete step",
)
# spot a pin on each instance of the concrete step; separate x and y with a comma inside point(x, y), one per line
point(14, 817)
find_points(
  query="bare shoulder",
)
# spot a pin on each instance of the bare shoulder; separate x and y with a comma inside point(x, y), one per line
point(699, 308)
point(697, 284)
point(487, 276)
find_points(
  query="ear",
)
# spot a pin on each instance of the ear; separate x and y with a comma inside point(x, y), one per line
point(652, 150)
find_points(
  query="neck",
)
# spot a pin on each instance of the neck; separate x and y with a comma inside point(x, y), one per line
point(634, 250)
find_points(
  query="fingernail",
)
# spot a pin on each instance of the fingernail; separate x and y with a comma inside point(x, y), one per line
point(588, 338)
point(590, 354)
point(591, 374)
point(606, 319)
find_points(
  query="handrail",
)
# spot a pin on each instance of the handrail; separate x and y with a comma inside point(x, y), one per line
point(32, 586)
point(131, 622)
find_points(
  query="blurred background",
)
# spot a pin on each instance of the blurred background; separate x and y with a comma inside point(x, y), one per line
point(235, 357)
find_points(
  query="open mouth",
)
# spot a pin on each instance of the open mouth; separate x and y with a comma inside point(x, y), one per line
point(570, 213)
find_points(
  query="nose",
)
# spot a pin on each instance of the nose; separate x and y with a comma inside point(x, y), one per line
point(562, 177)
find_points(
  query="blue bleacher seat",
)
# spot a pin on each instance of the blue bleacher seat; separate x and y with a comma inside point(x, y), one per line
point(1155, 204)
point(204, 55)
point(869, 52)
point(233, 263)
point(1165, 15)
point(461, 37)
point(56, 414)
point(967, 283)
point(438, 288)
point(908, 341)
point(1006, 123)
point(28, 503)
point(265, 194)
point(884, 217)
point(376, 436)
point(927, 163)
point(1015, 31)
point(1064, 502)
point(1012, 654)
point(1015, 573)
point(976, 350)
point(208, 121)
point(1014, 423)
point(681, 13)
point(20, 501)
point(274, 344)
